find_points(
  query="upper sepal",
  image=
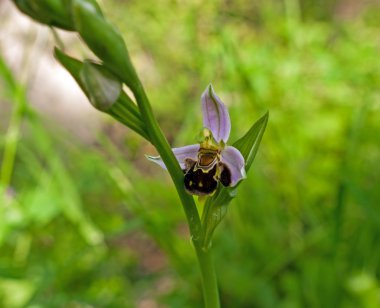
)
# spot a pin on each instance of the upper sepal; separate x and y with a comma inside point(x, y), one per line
point(215, 115)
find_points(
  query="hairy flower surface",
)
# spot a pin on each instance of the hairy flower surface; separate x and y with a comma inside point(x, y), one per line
point(212, 161)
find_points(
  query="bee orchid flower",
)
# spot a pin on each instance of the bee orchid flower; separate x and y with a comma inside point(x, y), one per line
point(211, 161)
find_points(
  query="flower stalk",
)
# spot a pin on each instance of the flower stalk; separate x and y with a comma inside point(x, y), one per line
point(209, 282)
point(12, 135)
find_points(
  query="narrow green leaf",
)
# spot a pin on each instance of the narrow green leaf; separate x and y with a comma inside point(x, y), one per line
point(104, 40)
point(216, 206)
point(249, 144)
point(214, 211)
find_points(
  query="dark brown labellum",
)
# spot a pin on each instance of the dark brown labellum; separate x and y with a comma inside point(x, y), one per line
point(224, 175)
point(202, 175)
point(199, 181)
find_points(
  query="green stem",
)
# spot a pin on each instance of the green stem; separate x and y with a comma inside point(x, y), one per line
point(12, 138)
point(159, 141)
point(121, 111)
point(209, 282)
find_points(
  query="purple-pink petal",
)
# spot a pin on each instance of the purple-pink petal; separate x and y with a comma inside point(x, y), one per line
point(233, 159)
point(189, 151)
point(215, 115)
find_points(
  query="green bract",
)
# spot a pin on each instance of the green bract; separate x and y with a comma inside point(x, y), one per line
point(104, 91)
point(102, 87)
point(216, 205)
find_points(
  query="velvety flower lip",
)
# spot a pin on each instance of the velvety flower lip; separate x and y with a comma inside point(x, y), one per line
point(212, 160)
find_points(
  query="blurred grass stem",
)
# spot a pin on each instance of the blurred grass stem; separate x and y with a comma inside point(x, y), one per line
point(12, 136)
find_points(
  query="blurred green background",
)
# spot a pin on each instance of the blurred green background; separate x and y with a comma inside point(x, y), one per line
point(88, 222)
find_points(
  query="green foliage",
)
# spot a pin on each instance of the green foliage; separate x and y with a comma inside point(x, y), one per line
point(304, 229)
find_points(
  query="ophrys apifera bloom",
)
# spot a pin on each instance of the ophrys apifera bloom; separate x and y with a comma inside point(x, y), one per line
point(212, 161)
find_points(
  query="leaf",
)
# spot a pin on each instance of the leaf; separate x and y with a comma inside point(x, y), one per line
point(216, 206)
point(214, 211)
point(248, 145)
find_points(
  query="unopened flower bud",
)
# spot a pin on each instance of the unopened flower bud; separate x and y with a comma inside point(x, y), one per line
point(103, 89)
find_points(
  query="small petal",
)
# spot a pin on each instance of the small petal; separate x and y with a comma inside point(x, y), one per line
point(215, 115)
point(189, 151)
point(233, 159)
